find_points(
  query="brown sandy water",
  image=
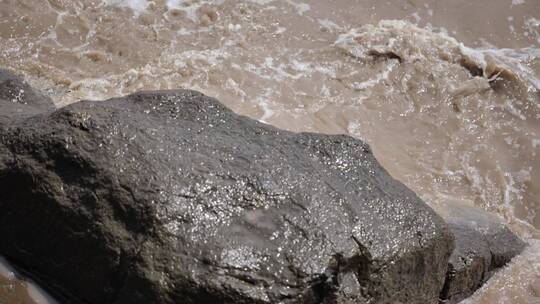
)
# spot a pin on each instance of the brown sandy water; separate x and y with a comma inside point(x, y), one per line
point(445, 92)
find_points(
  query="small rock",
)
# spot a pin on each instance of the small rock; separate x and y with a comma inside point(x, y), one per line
point(483, 244)
point(18, 99)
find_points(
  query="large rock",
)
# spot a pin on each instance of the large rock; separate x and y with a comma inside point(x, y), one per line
point(18, 99)
point(483, 244)
point(169, 197)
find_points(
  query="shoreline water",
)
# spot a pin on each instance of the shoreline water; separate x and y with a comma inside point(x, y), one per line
point(14, 289)
point(447, 134)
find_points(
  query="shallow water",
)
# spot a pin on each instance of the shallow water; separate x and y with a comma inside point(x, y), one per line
point(445, 92)
point(15, 290)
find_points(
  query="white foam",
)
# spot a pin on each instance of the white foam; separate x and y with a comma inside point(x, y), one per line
point(261, 2)
point(280, 30)
point(265, 103)
point(6, 270)
point(378, 78)
point(301, 8)
point(190, 7)
point(532, 26)
point(234, 27)
point(137, 6)
point(416, 17)
point(383, 36)
point(328, 24)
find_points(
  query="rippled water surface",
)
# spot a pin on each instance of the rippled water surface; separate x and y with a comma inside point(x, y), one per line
point(445, 92)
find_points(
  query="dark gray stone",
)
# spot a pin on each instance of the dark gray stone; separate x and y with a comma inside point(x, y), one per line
point(18, 99)
point(483, 245)
point(169, 197)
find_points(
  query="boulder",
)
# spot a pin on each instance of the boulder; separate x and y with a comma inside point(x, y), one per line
point(483, 244)
point(170, 197)
point(18, 99)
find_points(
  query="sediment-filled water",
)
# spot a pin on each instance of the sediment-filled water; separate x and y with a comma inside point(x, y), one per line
point(445, 92)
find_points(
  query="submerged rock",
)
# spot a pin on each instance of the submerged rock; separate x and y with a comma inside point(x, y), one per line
point(169, 197)
point(18, 99)
point(483, 245)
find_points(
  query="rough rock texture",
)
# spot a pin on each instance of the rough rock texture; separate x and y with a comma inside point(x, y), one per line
point(169, 197)
point(18, 99)
point(483, 244)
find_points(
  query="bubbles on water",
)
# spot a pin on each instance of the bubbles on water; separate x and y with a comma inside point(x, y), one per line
point(138, 6)
point(532, 26)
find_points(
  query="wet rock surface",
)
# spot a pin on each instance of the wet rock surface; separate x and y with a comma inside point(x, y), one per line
point(18, 99)
point(169, 197)
point(483, 244)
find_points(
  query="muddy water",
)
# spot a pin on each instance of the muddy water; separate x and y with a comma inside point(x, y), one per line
point(446, 92)
point(15, 290)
